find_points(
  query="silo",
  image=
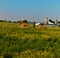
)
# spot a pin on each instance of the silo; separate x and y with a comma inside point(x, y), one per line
point(46, 20)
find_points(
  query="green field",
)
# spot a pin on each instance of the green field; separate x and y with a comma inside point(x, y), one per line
point(29, 42)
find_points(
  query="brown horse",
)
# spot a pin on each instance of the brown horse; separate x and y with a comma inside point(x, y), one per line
point(23, 24)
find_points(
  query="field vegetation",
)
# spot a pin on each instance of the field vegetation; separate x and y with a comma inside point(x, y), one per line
point(29, 42)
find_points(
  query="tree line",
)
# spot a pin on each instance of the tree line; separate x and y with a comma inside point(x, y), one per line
point(16, 21)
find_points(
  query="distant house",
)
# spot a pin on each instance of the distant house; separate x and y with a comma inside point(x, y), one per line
point(40, 25)
point(50, 22)
point(54, 22)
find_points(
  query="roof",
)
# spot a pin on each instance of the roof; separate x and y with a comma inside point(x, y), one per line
point(37, 24)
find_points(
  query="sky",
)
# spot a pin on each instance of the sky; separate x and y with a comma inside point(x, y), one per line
point(32, 10)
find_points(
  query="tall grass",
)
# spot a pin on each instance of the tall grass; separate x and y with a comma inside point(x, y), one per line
point(29, 42)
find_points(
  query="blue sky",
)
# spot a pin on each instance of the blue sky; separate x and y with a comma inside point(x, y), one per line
point(29, 9)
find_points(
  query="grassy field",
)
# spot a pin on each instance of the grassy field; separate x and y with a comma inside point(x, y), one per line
point(29, 42)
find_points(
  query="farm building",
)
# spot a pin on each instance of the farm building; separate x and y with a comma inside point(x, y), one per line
point(51, 22)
